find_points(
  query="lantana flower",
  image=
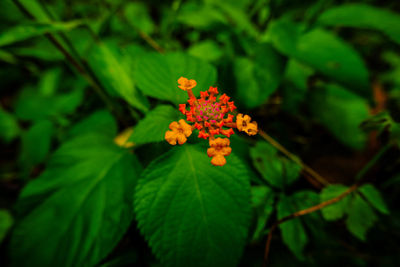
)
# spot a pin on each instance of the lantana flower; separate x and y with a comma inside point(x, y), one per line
point(211, 118)
point(219, 148)
point(179, 132)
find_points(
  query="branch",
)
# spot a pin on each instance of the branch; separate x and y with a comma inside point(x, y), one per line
point(351, 189)
point(306, 169)
point(301, 213)
point(75, 63)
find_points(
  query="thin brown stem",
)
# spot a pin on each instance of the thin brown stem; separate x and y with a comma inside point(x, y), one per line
point(294, 158)
point(301, 213)
point(359, 176)
point(151, 41)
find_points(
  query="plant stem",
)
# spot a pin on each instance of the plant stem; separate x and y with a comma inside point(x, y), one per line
point(351, 189)
point(301, 213)
point(76, 64)
point(372, 162)
point(294, 158)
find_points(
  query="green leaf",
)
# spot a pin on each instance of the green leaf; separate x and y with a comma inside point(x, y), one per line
point(374, 197)
point(368, 17)
point(157, 75)
point(341, 112)
point(100, 121)
point(36, 144)
point(276, 170)
point(193, 212)
point(41, 49)
point(138, 16)
point(207, 50)
point(36, 9)
point(8, 57)
point(153, 127)
point(33, 106)
point(79, 207)
point(200, 16)
point(49, 82)
point(6, 221)
point(106, 61)
point(284, 34)
point(237, 16)
point(337, 210)
point(269, 69)
point(298, 74)
point(247, 87)
point(24, 32)
point(9, 128)
point(259, 78)
point(361, 217)
point(262, 201)
point(293, 232)
point(323, 51)
point(295, 89)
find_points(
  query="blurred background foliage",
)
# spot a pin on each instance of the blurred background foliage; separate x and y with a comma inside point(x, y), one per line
point(88, 89)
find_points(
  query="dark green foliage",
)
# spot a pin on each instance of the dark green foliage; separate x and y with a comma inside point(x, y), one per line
point(89, 89)
point(359, 207)
point(84, 198)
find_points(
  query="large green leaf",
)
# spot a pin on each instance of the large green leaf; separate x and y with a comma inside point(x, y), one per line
point(100, 121)
point(107, 62)
point(79, 208)
point(192, 212)
point(157, 75)
point(276, 170)
point(363, 16)
point(153, 127)
point(23, 32)
point(337, 210)
point(323, 51)
point(342, 112)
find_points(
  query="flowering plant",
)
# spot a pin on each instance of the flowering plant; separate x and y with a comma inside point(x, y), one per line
point(211, 118)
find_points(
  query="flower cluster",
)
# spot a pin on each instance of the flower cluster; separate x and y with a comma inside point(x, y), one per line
point(211, 118)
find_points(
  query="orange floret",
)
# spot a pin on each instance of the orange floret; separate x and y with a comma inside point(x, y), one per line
point(213, 90)
point(228, 132)
point(244, 123)
point(182, 108)
point(179, 132)
point(186, 84)
point(219, 148)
